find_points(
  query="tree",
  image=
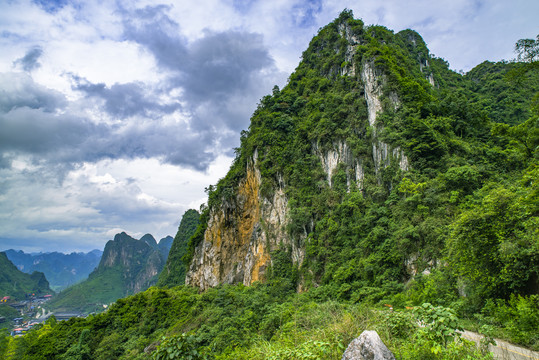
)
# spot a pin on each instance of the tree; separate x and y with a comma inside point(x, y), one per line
point(527, 50)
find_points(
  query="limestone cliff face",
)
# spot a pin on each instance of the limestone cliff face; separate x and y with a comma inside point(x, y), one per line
point(138, 261)
point(374, 82)
point(244, 229)
point(382, 154)
point(341, 153)
point(241, 235)
point(147, 276)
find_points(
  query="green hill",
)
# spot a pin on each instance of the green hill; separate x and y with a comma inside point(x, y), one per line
point(174, 271)
point(60, 269)
point(18, 285)
point(374, 165)
point(127, 266)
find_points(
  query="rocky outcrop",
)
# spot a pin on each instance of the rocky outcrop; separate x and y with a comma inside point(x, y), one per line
point(349, 67)
point(147, 276)
point(368, 346)
point(138, 260)
point(341, 153)
point(383, 153)
point(241, 235)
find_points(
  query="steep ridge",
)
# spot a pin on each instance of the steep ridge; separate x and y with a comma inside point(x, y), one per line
point(352, 174)
point(164, 245)
point(174, 271)
point(137, 260)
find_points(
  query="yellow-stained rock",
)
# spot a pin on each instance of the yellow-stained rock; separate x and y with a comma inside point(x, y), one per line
point(240, 237)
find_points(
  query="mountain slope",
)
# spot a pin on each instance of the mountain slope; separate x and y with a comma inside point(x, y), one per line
point(164, 246)
point(16, 284)
point(174, 271)
point(127, 266)
point(60, 269)
point(357, 175)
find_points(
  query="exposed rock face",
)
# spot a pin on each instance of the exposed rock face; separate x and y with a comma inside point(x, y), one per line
point(246, 227)
point(341, 153)
point(368, 346)
point(373, 90)
point(147, 276)
point(241, 236)
point(382, 152)
point(140, 263)
point(350, 67)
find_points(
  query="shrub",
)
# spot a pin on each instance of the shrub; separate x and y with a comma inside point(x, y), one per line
point(182, 346)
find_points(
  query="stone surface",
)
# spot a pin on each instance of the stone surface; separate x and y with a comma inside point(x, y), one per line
point(374, 82)
point(240, 236)
point(341, 153)
point(368, 346)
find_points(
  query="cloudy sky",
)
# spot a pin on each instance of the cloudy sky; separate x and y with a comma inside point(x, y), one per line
point(115, 115)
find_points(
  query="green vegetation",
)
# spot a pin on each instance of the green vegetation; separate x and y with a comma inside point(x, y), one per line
point(61, 270)
point(18, 285)
point(174, 271)
point(101, 288)
point(127, 266)
point(455, 235)
point(467, 208)
point(237, 322)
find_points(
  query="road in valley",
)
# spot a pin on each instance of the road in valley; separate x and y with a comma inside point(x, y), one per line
point(504, 350)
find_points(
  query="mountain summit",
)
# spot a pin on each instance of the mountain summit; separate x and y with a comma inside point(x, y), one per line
point(356, 174)
point(127, 266)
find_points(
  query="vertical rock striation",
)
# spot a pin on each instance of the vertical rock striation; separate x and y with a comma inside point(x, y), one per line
point(245, 227)
point(241, 235)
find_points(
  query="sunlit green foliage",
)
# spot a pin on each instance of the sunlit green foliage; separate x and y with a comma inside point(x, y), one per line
point(235, 322)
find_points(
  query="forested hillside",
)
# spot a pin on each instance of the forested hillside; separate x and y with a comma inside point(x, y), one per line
point(390, 165)
point(127, 266)
point(174, 271)
point(60, 269)
point(377, 176)
point(17, 285)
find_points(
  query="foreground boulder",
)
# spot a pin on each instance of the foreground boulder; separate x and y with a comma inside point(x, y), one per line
point(368, 346)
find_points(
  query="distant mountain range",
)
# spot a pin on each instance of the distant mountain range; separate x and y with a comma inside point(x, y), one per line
point(127, 266)
point(61, 270)
point(16, 284)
